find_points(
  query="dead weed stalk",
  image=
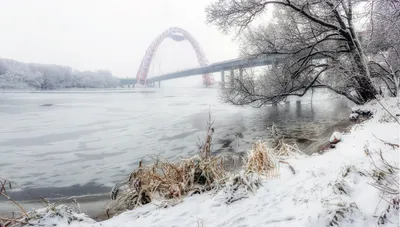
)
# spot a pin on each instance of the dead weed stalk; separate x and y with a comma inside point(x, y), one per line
point(261, 160)
point(285, 150)
point(386, 180)
point(165, 182)
point(170, 181)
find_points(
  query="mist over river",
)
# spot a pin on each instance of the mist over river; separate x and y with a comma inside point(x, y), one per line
point(83, 142)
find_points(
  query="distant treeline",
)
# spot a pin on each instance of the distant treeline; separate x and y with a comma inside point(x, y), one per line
point(18, 75)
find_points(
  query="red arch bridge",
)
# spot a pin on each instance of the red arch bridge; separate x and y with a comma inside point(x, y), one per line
point(205, 69)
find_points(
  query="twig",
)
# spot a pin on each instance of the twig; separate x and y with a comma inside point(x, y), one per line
point(376, 208)
point(398, 122)
point(19, 221)
point(15, 202)
point(290, 167)
point(393, 145)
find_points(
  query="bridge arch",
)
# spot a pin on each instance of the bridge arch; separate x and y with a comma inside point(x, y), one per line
point(177, 34)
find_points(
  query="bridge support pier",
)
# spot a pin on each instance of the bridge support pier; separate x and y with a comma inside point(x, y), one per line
point(223, 78)
point(240, 74)
point(159, 84)
point(232, 79)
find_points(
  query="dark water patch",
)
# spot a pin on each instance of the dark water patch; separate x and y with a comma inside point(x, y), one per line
point(46, 139)
point(304, 141)
point(91, 157)
point(46, 160)
point(47, 104)
point(222, 150)
point(179, 104)
point(81, 147)
point(178, 136)
point(5, 164)
point(197, 120)
point(31, 194)
point(88, 91)
point(181, 148)
point(95, 123)
point(225, 142)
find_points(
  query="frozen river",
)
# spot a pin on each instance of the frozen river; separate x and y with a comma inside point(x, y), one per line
point(77, 140)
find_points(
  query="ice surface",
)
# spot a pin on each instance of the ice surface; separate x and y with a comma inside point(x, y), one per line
point(100, 136)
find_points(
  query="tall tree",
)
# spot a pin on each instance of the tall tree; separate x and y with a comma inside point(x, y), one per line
point(383, 44)
point(318, 37)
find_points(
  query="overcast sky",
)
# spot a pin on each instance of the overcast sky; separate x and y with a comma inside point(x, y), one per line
point(114, 35)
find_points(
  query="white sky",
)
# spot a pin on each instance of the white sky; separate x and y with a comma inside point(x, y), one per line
point(113, 35)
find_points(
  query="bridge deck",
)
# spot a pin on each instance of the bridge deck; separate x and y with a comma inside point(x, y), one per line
point(215, 67)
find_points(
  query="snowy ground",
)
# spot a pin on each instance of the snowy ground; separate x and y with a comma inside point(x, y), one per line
point(333, 186)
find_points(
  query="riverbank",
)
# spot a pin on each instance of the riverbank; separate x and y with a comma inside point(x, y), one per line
point(336, 187)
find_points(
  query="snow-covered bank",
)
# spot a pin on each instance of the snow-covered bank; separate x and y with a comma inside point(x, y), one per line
point(329, 189)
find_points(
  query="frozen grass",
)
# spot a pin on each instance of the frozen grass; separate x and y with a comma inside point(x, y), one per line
point(165, 183)
point(164, 180)
point(16, 217)
point(261, 160)
point(286, 150)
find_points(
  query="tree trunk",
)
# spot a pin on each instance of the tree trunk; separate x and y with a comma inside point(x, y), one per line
point(365, 88)
point(396, 85)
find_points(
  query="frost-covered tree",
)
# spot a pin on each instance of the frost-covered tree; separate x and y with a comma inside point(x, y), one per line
point(383, 43)
point(319, 38)
point(15, 74)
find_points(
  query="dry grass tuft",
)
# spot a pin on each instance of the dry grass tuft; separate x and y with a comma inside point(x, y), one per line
point(265, 161)
point(285, 150)
point(261, 160)
point(5, 185)
point(164, 180)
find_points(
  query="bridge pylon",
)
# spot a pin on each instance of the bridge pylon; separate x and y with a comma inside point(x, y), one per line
point(178, 35)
